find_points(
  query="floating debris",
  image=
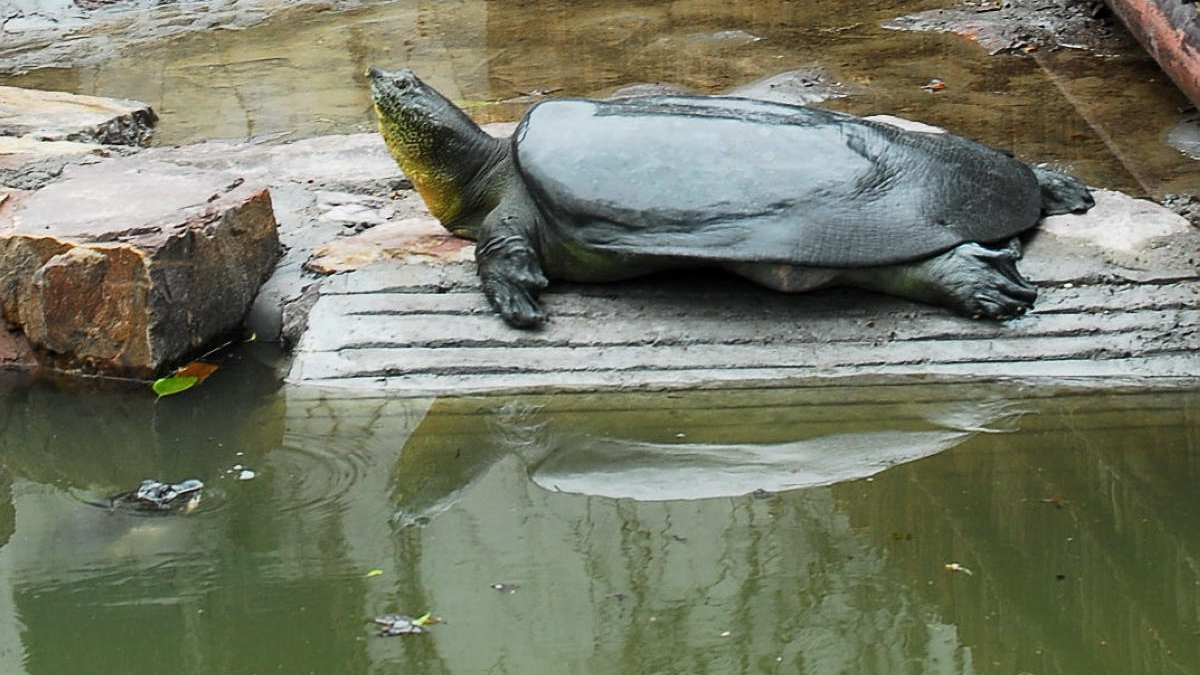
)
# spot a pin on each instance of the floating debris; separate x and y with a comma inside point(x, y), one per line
point(934, 85)
point(184, 378)
point(505, 588)
point(240, 472)
point(955, 567)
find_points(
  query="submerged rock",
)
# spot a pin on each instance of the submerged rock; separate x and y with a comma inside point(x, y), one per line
point(1015, 24)
point(804, 86)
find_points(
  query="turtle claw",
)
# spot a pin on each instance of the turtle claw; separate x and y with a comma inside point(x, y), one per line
point(513, 302)
point(973, 280)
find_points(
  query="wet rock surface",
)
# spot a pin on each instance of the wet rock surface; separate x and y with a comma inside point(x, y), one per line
point(1012, 25)
point(1110, 307)
point(1187, 206)
point(804, 86)
point(28, 164)
point(36, 32)
point(374, 294)
point(43, 131)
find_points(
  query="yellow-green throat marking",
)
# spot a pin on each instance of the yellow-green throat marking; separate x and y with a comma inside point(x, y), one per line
point(429, 175)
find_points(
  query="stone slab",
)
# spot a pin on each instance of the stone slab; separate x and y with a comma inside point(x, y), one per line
point(1125, 306)
point(124, 266)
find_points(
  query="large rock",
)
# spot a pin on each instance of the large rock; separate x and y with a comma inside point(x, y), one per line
point(43, 131)
point(126, 265)
point(59, 116)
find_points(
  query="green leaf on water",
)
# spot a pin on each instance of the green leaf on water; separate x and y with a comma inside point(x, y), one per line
point(184, 378)
point(374, 573)
point(166, 386)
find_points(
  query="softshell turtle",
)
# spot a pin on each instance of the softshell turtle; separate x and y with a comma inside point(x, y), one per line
point(792, 197)
point(152, 495)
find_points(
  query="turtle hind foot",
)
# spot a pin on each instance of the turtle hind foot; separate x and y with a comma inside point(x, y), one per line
point(1062, 193)
point(973, 280)
point(983, 283)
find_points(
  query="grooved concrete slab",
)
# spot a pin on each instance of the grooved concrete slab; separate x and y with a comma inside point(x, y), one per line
point(1120, 298)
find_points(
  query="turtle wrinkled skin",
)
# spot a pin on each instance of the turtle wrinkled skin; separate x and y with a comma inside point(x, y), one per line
point(792, 197)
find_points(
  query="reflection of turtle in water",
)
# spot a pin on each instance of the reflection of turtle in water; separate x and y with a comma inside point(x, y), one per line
point(151, 495)
point(792, 197)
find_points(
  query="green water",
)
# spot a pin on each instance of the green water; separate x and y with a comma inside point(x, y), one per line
point(801, 531)
point(618, 526)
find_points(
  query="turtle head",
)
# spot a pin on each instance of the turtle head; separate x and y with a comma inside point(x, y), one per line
point(439, 148)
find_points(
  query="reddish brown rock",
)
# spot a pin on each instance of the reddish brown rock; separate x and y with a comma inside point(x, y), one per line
point(422, 240)
point(126, 266)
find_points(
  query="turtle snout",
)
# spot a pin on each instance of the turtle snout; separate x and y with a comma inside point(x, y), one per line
point(401, 80)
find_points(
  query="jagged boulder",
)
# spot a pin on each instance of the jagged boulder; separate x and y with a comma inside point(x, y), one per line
point(124, 266)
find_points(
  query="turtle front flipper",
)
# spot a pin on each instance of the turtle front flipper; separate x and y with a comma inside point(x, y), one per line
point(511, 272)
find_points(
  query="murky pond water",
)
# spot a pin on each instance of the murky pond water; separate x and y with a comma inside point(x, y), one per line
point(965, 530)
point(302, 72)
point(870, 530)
